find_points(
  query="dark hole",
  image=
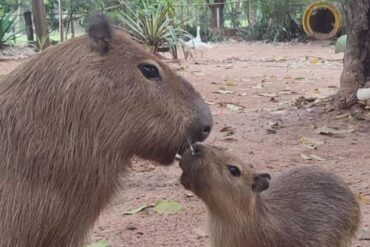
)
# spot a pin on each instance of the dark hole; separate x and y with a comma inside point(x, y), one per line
point(322, 20)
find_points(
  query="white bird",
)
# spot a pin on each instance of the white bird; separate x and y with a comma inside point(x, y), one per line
point(196, 43)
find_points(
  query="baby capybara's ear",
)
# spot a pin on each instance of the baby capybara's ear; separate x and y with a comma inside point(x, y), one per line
point(100, 33)
point(261, 182)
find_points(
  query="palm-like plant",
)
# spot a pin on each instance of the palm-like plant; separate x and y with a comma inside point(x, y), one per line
point(6, 23)
point(154, 26)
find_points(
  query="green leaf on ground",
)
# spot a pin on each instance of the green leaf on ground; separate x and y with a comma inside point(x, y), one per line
point(167, 207)
point(101, 243)
point(136, 210)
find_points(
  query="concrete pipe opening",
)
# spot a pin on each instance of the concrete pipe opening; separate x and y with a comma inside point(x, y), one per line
point(321, 20)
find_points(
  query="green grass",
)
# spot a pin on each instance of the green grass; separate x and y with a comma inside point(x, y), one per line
point(22, 38)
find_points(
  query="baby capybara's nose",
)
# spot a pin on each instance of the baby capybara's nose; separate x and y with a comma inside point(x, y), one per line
point(198, 150)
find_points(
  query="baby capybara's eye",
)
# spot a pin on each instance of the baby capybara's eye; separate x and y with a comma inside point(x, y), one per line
point(149, 71)
point(234, 170)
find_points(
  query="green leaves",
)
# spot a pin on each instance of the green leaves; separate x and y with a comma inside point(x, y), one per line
point(101, 243)
point(167, 207)
point(7, 21)
point(153, 25)
point(162, 206)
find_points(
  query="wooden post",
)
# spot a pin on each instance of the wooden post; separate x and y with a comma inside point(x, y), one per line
point(72, 26)
point(60, 10)
point(28, 24)
point(218, 17)
point(249, 12)
point(41, 24)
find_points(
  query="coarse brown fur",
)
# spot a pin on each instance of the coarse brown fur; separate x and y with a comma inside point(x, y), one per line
point(70, 121)
point(303, 207)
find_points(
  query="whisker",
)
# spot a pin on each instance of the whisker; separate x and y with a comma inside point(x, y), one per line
point(191, 148)
point(178, 157)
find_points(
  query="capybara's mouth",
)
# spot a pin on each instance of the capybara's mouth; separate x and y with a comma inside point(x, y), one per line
point(175, 155)
point(188, 162)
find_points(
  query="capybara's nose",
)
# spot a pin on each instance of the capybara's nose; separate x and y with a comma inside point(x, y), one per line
point(204, 123)
point(206, 131)
point(198, 150)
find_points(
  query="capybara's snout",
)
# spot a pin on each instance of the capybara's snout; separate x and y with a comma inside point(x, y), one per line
point(203, 122)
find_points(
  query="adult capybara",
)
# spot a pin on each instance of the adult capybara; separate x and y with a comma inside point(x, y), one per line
point(303, 207)
point(71, 119)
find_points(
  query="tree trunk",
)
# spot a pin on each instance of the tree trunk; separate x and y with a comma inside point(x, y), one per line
point(357, 55)
point(60, 11)
point(41, 24)
point(28, 25)
point(218, 4)
point(72, 25)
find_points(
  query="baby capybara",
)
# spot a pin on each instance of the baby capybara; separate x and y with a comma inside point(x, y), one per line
point(303, 207)
point(72, 118)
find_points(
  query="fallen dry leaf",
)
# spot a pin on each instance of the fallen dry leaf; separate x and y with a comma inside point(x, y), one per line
point(224, 92)
point(267, 94)
point(137, 210)
point(364, 235)
point(333, 131)
point(234, 107)
point(279, 59)
point(199, 73)
point(305, 157)
point(273, 124)
point(315, 60)
point(230, 140)
point(231, 84)
point(363, 199)
point(345, 115)
point(259, 85)
point(316, 157)
point(310, 143)
point(210, 103)
point(226, 129)
point(312, 157)
point(286, 92)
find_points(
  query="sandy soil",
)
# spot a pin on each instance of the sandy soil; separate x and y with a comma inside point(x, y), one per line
point(254, 89)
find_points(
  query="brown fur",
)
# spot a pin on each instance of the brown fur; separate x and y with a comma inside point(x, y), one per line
point(303, 207)
point(70, 121)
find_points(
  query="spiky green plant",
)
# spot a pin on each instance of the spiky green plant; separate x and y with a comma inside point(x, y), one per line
point(154, 26)
point(7, 21)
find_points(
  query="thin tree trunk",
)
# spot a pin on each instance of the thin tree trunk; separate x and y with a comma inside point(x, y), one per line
point(41, 24)
point(220, 4)
point(72, 25)
point(357, 56)
point(61, 33)
point(28, 25)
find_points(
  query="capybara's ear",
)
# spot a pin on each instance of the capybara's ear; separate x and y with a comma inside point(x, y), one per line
point(261, 182)
point(100, 33)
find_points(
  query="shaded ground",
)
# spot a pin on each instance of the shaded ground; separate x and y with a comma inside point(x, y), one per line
point(253, 90)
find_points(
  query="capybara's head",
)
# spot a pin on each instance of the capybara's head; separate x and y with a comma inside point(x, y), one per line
point(219, 178)
point(140, 104)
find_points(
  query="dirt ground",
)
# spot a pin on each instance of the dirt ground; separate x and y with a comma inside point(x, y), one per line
point(257, 91)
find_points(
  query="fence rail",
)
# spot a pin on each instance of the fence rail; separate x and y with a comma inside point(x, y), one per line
point(229, 15)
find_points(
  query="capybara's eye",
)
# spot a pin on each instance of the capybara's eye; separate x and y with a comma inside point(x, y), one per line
point(149, 71)
point(234, 170)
